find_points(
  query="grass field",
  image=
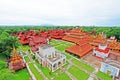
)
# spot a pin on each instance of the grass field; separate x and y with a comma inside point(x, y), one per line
point(79, 74)
point(24, 48)
point(22, 75)
point(37, 75)
point(60, 45)
point(62, 76)
point(27, 59)
point(83, 65)
point(104, 76)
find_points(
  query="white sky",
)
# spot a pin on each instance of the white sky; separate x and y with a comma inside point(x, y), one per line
point(60, 12)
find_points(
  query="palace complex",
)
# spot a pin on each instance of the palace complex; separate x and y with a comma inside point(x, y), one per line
point(85, 43)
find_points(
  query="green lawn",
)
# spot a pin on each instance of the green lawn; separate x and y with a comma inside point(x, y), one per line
point(24, 48)
point(95, 79)
point(62, 76)
point(22, 75)
point(60, 45)
point(35, 72)
point(67, 55)
point(27, 59)
point(79, 74)
point(104, 76)
point(83, 65)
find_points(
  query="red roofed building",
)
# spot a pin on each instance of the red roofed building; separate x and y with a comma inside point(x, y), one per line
point(23, 40)
point(99, 39)
point(36, 42)
point(16, 62)
point(75, 35)
point(112, 39)
point(80, 50)
point(57, 34)
point(24, 36)
point(102, 51)
point(44, 34)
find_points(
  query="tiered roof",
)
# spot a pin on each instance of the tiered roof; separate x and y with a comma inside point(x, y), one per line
point(80, 50)
point(16, 62)
point(114, 45)
point(76, 35)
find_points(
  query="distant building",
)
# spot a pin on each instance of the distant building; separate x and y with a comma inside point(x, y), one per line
point(102, 51)
point(112, 39)
point(48, 56)
point(111, 67)
point(37, 41)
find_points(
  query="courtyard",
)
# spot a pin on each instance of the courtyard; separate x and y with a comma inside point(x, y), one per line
point(74, 69)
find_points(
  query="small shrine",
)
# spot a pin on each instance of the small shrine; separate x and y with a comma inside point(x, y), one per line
point(16, 61)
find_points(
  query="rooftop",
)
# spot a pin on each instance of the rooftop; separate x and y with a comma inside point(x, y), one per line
point(56, 57)
point(112, 62)
point(46, 46)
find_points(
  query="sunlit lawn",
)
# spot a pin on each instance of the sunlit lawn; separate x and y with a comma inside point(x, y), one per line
point(79, 74)
point(22, 75)
point(83, 65)
point(27, 59)
point(60, 45)
point(24, 48)
point(104, 76)
point(35, 72)
point(67, 56)
point(63, 76)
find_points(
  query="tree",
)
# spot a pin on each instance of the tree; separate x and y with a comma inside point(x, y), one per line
point(6, 43)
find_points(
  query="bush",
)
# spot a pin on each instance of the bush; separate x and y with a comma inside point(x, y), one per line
point(2, 65)
point(33, 57)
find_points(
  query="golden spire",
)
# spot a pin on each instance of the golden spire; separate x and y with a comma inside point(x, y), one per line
point(14, 52)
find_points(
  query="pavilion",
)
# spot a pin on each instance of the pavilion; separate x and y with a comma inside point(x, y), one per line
point(16, 61)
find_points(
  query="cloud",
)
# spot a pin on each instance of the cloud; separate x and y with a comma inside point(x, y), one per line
point(59, 12)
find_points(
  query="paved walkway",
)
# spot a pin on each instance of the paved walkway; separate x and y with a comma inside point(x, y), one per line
point(93, 75)
point(70, 75)
point(31, 60)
